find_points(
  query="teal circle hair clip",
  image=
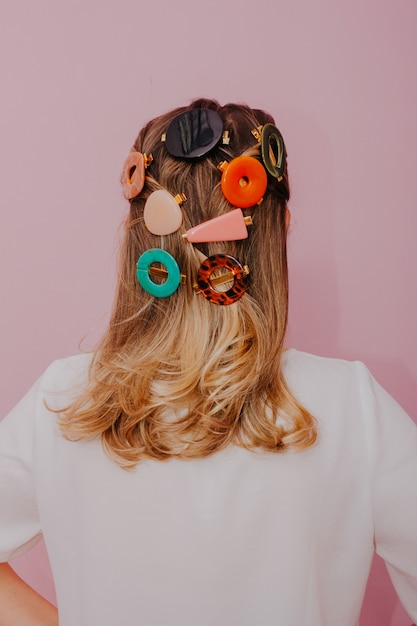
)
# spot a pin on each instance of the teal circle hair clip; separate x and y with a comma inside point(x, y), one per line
point(173, 274)
point(193, 133)
point(273, 151)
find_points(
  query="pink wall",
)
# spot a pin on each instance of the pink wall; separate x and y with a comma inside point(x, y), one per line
point(79, 78)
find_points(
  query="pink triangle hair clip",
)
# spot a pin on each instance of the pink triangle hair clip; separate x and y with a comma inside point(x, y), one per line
point(231, 226)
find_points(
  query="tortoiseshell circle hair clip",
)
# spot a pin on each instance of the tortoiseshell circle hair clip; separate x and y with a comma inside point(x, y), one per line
point(238, 272)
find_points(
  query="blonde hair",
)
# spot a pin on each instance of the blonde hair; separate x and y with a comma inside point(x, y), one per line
point(180, 376)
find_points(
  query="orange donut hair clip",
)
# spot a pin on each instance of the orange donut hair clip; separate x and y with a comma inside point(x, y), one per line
point(133, 173)
point(244, 181)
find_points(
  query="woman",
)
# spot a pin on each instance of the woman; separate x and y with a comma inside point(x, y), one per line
point(282, 471)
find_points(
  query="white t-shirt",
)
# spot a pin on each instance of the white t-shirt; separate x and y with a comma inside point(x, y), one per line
point(236, 539)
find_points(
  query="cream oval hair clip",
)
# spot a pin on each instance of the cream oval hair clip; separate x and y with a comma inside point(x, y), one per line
point(162, 214)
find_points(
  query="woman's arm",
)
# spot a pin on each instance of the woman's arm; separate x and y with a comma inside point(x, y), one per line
point(20, 605)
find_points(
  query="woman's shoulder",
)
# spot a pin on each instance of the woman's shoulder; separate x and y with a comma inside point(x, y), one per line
point(320, 367)
point(66, 375)
point(325, 381)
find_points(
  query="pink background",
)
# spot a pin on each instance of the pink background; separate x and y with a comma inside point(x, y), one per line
point(79, 78)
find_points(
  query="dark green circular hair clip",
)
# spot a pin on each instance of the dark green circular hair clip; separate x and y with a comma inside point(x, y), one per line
point(273, 151)
point(193, 133)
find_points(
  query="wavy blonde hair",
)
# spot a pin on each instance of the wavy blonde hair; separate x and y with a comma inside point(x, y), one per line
point(179, 376)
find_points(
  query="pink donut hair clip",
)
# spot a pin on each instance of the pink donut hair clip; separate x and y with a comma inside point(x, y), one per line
point(231, 226)
point(244, 181)
point(133, 173)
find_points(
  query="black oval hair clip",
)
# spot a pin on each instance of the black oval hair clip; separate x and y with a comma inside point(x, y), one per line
point(193, 133)
point(273, 151)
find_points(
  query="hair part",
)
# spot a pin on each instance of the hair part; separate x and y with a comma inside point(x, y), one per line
point(179, 376)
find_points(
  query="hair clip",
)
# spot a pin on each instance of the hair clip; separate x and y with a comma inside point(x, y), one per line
point(193, 133)
point(162, 214)
point(172, 272)
point(256, 132)
point(244, 181)
point(228, 227)
point(163, 273)
point(133, 173)
point(226, 138)
point(205, 285)
point(273, 151)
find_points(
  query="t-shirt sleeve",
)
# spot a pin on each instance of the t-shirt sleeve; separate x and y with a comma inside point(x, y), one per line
point(20, 526)
point(392, 444)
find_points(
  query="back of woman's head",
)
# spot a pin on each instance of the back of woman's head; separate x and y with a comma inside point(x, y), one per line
point(183, 375)
point(263, 252)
